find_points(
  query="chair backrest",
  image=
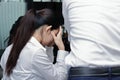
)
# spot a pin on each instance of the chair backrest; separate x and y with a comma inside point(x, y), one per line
point(1, 52)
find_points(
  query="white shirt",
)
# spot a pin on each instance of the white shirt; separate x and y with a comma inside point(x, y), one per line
point(94, 32)
point(34, 63)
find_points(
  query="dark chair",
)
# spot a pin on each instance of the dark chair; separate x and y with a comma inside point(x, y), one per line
point(1, 52)
point(1, 71)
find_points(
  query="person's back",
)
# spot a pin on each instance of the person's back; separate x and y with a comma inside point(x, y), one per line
point(25, 65)
point(93, 27)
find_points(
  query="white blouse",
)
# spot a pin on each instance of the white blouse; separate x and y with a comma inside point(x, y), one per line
point(35, 63)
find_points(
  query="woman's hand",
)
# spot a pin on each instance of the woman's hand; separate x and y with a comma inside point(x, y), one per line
point(58, 39)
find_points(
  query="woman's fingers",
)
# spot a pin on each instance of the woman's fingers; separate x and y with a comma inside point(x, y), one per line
point(60, 31)
point(58, 39)
point(53, 34)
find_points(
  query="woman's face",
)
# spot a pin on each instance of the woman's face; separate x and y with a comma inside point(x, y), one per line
point(47, 38)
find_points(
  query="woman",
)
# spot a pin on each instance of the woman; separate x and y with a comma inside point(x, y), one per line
point(26, 58)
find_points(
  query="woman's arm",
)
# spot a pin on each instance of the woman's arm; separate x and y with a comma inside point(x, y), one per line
point(44, 68)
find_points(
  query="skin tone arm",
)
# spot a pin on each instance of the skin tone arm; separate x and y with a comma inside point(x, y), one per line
point(58, 39)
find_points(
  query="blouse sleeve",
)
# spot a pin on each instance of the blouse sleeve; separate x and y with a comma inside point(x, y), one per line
point(43, 66)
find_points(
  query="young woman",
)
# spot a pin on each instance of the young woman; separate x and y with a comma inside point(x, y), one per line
point(27, 58)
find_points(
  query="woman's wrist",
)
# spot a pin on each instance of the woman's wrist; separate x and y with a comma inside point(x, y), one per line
point(61, 46)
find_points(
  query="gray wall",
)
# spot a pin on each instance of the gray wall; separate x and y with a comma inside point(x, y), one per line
point(9, 12)
point(47, 0)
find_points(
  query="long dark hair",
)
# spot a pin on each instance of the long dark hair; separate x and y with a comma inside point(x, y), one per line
point(14, 30)
point(31, 21)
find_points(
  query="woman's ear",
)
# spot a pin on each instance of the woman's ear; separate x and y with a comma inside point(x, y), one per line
point(48, 28)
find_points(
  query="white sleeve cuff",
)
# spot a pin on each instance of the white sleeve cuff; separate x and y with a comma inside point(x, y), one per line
point(61, 55)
